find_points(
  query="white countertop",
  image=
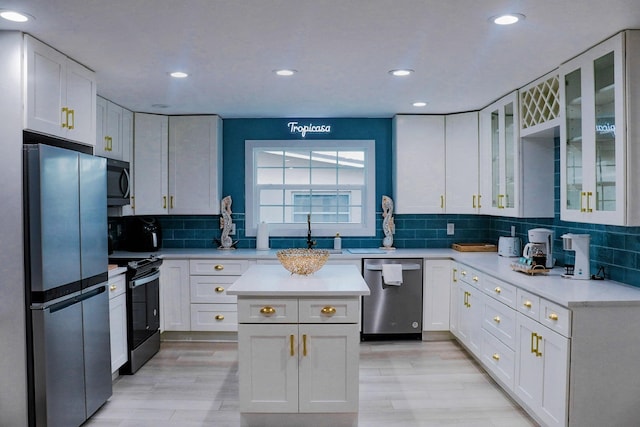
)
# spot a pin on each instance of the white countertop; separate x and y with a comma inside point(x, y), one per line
point(274, 280)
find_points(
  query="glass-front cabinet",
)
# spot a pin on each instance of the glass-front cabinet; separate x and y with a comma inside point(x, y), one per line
point(500, 174)
point(595, 165)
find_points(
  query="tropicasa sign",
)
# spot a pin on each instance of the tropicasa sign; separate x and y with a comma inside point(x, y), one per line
point(295, 127)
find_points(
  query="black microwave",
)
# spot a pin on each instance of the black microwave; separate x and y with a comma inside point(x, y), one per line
point(118, 183)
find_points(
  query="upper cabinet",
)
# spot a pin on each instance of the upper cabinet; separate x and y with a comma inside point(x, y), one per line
point(177, 168)
point(599, 150)
point(462, 189)
point(113, 130)
point(60, 94)
point(419, 164)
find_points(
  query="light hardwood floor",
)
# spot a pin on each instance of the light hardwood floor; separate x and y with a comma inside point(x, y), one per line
point(403, 383)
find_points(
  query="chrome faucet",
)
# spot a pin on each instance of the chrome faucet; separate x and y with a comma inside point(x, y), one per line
point(310, 243)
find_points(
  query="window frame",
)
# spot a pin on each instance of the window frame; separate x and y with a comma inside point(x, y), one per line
point(366, 228)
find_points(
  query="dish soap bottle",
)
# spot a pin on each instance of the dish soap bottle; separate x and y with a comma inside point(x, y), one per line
point(337, 242)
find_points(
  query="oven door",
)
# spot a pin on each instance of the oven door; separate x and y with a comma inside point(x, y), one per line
point(144, 305)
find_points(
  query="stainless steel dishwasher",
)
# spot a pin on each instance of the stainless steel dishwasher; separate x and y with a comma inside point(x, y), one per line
point(392, 311)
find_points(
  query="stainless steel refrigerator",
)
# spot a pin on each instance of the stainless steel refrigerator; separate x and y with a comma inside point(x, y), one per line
point(66, 263)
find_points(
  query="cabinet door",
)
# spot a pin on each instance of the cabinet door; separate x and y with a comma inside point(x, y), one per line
point(329, 375)
point(462, 187)
point(174, 292)
point(419, 164)
point(80, 100)
point(127, 155)
point(470, 313)
point(455, 301)
point(542, 366)
point(150, 165)
point(108, 129)
point(102, 143)
point(436, 292)
point(195, 163)
point(118, 328)
point(500, 155)
point(592, 136)
point(268, 367)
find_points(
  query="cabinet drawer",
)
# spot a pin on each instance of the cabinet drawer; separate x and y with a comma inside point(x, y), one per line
point(469, 275)
point(332, 310)
point(117, 285)
point(211, 289)
point(555, 317)
point(498, 358)
point(528, 304)
point(503, 292)
point(214, 317)
point(268, 310)
point(500, 321)
point(218, 267)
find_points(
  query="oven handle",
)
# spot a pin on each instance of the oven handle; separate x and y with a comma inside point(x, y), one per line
point(144, 280)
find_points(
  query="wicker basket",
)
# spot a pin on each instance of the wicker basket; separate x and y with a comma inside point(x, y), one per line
point(303, 261)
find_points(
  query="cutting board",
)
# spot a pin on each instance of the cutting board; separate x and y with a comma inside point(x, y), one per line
point(475, 247)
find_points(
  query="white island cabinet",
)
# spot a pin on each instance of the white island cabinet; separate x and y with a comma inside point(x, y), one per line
point(298, 342)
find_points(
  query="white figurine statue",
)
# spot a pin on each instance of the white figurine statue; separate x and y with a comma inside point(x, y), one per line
point(226, 224)
point(388, 226)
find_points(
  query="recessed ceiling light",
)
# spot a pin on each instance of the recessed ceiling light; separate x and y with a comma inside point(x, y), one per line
point(400, 72)
point(12, 15)
point(179, 74)
point(285, 72)
point(507, 19)
point(419, 104)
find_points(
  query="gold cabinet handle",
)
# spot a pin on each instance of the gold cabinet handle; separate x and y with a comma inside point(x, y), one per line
point(113, 287)
point(535, 344)
point(171, 202)
point(497, 290)
point(267, 310)
point(304, 344)
point(500, 197)
point(441, 202)
point(496, 319)
point(328, 311)
point(164, 202)
point(71, 113)
point(219, 317)
point(291, 345)
point(466, 299)
point(219, 289)
point(527, 304)
point(64, 121)
point(496, 356)
point(553, 316)
point(473, 204)
point(106, 143)
point(582, 194)
point(475, 278)
point(455, 277)
point(218, 267)
point(479, 205)
point(589, 194)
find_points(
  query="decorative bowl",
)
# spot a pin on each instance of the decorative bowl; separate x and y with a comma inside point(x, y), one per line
point(303, 261)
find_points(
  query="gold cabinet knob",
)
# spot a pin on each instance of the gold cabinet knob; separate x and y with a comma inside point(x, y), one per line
point(328, 311)
point(267, 310)
point(219, 289)
point(219, 317)
point(527, 304)
point(463, 273)
point(113, 287)
point(496, 356)
point(496, 319)
point(497, 290)
point(218, 267)
point(476, 278)
point(553, 316)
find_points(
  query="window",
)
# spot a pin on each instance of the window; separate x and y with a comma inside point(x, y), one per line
point(332, 181)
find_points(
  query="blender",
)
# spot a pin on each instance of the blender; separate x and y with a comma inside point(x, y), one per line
point(580, 244)
point(540, 247)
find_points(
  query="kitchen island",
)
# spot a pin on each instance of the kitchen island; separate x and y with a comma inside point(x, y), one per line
point(298, 345)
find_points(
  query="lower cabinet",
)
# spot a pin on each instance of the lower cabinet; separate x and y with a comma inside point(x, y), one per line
point(175, 313)
point(436, 291)
point(289, 366)
point(118, 320)
point(467, 300)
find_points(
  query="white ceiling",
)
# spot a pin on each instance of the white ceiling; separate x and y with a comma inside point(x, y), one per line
point(343, 50)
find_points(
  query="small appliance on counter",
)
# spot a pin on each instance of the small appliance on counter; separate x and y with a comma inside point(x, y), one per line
point(143, 234)
point(509, 246)
point(580, 244)
point(540, 247)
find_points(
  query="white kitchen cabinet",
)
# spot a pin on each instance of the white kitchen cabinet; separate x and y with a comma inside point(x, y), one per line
point(462, 195)
point(60, 95)
point(175, 314)
point(542, 367)
point(177, 167)
point(127, 156)
point(113, 130)
point(466, 307)
point(599, 156)
point(419, 164)
point(289, 366)
point(436, 294)
point(118, 320)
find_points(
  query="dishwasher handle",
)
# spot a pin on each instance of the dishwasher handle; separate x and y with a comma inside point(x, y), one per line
point(405, 267)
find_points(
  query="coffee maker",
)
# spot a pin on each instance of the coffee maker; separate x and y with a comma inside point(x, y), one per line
point(580, 244)
point(540, 246)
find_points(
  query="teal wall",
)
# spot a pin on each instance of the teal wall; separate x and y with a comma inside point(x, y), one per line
point(617, 249)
